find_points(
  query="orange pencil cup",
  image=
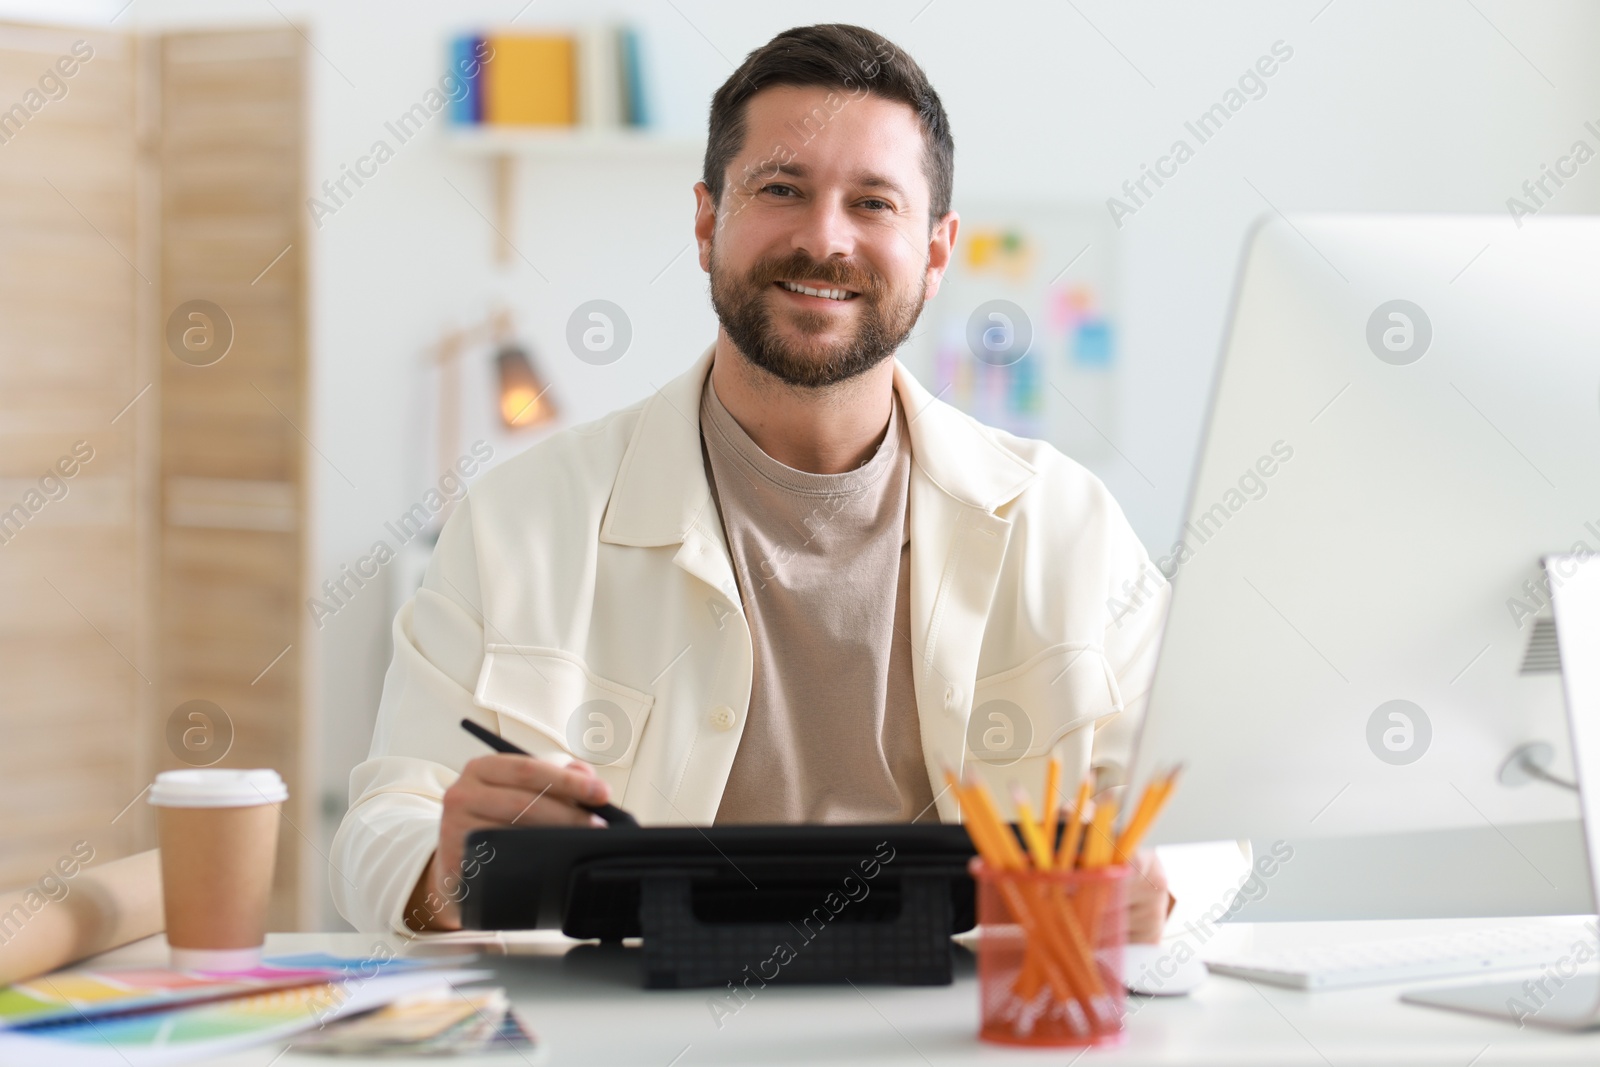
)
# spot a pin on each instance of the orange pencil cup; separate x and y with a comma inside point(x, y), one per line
point(1050, 955)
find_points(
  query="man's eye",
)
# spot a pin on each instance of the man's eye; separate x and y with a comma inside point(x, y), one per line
point(884, 204)
point(776, 188)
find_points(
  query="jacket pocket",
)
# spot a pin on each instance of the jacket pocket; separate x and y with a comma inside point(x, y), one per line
point(1024, 711)
point(549, 702)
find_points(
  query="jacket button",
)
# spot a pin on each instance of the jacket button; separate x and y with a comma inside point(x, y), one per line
point(722, 717)
point(950, 696)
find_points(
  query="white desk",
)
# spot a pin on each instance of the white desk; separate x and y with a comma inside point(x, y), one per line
point(586, 1005)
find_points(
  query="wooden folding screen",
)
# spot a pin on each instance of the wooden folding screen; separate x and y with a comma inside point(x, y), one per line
point(168, 566)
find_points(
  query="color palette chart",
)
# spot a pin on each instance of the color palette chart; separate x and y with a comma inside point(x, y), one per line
point(142, 1017)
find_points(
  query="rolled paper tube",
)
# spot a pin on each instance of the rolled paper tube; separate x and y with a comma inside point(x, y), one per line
point(105, 906)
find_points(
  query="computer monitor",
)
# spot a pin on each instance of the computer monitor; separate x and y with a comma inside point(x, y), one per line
point(1558, 997)
point(1405, 420)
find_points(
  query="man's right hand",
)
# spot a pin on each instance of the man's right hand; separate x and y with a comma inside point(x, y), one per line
point(493, 791)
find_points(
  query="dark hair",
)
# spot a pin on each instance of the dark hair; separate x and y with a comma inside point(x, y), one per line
point(833, 56)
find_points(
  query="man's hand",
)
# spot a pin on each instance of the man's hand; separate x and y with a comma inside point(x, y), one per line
point(498, 790)
point(1147, 899)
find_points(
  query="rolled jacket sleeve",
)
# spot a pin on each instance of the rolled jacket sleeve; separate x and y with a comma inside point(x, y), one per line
point(391, 827)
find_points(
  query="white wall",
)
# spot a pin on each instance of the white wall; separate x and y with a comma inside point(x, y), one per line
point(1421, 106)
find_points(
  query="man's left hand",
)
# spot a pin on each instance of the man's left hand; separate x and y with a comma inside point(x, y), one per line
point(1148, 900)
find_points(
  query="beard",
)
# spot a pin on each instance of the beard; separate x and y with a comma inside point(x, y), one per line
point(883, 320)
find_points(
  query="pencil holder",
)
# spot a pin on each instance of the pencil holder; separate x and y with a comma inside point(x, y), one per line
point(1050, 947)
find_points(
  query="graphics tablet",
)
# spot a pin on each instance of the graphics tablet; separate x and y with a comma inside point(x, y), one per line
point(586, 881)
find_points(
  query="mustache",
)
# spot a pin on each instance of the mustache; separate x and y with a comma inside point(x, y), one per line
point(832, 272)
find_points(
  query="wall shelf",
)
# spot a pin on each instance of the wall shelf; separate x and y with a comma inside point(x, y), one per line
point(576, 143)
point(506, 147)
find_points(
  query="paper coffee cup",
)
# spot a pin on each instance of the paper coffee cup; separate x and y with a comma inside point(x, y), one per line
point(219, 842)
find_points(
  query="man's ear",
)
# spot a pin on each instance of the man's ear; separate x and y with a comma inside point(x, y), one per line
point(941, 247)
point(705, 223)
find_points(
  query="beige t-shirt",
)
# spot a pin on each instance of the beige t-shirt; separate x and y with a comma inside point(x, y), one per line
point(823, 564)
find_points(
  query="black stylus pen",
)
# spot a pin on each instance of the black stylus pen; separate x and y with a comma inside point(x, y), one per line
point(613, 815)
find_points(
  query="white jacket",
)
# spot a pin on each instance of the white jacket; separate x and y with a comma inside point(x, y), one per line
point(589, 575)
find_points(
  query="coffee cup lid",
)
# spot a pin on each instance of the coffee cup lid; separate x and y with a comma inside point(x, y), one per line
point(217, 787)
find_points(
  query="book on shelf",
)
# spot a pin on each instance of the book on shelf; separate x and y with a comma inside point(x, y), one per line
point(590, 79)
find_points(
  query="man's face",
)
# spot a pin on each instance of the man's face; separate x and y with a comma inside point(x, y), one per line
point(844, 214)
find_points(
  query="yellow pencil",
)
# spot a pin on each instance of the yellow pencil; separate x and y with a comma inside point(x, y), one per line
point(1097, 850)
point(1140, 818)
point(1005, 840)
point(1162, 790)
point(1031, 832)
point(972, 820)
point(1051, 810)
point(1067, 857)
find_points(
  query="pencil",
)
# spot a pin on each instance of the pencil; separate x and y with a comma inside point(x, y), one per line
point(1032, 834)
point(1136, 824)
point(1097, 849)
point(1004, 839)
point(1068, 855)
point(1157, 796)
point(1051, 803)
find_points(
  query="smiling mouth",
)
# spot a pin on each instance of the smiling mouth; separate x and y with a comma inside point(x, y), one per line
point(823, 292)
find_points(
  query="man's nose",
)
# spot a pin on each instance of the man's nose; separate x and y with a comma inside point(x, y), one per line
point(826, 230)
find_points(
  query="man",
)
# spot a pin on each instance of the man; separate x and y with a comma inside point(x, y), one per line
point(791, 586)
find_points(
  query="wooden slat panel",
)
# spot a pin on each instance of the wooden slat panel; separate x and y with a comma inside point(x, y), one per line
point(67, 412)
point(72, 596)
point(232, 504)
point(231, 161)
point(72, 580)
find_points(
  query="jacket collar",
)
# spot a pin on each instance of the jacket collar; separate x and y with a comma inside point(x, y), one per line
point(661, 492)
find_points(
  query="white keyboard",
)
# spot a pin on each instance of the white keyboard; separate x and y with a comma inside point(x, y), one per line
point(1406, 959)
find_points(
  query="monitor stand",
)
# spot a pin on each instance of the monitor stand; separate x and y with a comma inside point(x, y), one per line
point(1548, 1000)
point(1560, 996)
